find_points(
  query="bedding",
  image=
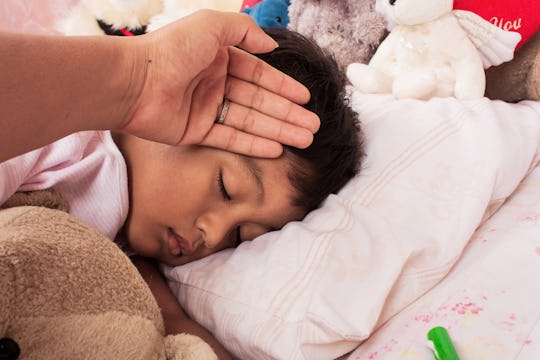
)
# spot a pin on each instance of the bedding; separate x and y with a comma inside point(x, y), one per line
point(440, 228)
point(488, 302)
point(435, 171)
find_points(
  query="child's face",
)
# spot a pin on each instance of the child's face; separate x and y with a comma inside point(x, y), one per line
point(189, 202)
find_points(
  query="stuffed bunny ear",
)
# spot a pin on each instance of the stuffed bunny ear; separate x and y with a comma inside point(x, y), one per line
point(494, 44)
point(187, 347)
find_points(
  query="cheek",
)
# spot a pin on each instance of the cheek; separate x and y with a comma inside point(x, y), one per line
point(186, 198)
point(143, 240)
point(178, 193)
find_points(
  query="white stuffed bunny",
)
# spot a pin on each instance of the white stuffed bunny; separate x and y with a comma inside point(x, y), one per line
point(433, 51)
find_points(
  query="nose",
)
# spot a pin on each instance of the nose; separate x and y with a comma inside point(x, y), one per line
point(214, 227)
point(392, 2)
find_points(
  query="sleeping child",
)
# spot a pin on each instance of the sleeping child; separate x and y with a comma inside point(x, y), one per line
point(177, 204)
point(209, 200)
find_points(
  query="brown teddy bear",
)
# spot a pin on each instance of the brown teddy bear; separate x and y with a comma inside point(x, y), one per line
point(69, 292)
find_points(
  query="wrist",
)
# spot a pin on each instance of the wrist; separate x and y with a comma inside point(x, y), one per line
point(131, 70)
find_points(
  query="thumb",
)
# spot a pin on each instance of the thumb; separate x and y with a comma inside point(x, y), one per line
point(239, 29)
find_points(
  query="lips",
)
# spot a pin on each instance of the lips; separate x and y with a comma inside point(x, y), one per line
point(174, 243)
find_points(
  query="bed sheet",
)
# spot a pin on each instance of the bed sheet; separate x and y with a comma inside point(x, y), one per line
point(489, 302)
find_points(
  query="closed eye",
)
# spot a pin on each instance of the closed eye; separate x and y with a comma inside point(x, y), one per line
point(227, 197)
point(222, 188)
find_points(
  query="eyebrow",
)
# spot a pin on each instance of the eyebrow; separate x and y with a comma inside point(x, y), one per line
point(255, 172)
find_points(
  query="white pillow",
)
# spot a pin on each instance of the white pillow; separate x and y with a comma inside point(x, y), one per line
point(317, 288)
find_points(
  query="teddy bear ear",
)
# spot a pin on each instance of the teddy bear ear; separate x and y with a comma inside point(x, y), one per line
point(187, 347)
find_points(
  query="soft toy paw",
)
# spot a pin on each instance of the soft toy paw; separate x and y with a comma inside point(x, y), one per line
point(433, 51)
point(270, 13)
point(109, 17)
point(68, 292)
point(350, 29)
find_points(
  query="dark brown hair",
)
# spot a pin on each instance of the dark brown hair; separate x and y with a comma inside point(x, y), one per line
point(336, 152)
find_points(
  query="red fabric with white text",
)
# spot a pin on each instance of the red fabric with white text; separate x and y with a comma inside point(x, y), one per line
point(522, 16)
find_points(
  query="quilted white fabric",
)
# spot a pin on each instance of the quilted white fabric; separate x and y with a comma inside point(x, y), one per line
point(435, 171)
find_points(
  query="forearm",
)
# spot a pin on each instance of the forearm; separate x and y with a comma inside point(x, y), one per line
point(53, 86)
point(174, 317)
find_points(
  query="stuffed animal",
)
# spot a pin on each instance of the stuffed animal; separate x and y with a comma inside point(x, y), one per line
point(68, 292)
point(176, 9)
point(109, 17)
point(350, 29)
point(433, 51)
point(353, 30)
point(270, 13)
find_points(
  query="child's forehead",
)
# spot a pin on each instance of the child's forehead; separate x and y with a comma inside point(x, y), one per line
point(268, 167)
point(267, 172)
point(276, 183)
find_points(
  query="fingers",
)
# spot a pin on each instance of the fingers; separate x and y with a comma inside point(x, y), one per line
point(250, 121)
point(268, 103)
point(230, 139)
point(248, 67)
point(263, 105)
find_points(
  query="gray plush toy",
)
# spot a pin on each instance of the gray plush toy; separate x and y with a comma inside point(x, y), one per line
point(352, 30)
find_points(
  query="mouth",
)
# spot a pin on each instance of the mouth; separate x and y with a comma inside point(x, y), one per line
point(174, 243)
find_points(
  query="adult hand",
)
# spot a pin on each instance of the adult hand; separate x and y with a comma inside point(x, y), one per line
point(193, 64)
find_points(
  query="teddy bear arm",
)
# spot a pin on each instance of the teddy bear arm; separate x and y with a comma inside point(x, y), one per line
point(368, 79)
point(187, 347)
point(384, 58)
point(376, 76)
